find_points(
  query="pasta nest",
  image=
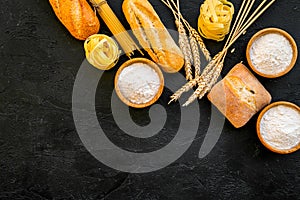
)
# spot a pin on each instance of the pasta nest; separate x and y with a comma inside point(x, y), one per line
point(215, 19)
point(101, 51)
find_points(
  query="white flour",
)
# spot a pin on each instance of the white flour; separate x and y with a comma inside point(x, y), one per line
point(280, 127)
point(139, 83)
point(271, 53)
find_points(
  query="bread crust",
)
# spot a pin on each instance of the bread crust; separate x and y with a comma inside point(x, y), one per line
point(77, 16)
point(152, 35)
point(239, 95)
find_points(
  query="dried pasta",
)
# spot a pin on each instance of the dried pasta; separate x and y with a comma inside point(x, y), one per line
point(101, 51)
point(215, 19)
point(115, 26)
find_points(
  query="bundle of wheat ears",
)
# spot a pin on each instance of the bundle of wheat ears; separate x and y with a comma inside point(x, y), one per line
point(189, 45)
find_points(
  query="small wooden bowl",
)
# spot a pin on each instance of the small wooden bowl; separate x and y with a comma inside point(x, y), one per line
point(280, 151)
point(267, 31)
point(150, 64)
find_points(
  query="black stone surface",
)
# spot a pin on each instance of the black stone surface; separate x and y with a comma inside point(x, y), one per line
point(42, 156)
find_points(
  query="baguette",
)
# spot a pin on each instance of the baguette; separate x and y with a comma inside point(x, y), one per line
point(152, 35)
point(239, 95)
point(77, 16)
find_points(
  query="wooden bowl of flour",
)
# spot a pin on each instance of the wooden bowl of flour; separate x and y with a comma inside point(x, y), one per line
point(278, 127)
point(271, 52)
point(139, 82)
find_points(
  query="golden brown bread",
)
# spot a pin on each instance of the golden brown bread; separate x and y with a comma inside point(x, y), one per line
point(77, 16)
point(239, 95)
point(152, 34)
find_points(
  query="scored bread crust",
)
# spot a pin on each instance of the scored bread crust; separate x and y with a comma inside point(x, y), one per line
point(152, 35)
point(77, 16)
point(239, 95)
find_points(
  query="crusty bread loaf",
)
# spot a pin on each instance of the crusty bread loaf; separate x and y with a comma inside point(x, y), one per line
point(152, 35)
point(239, 95)
point(77, 16)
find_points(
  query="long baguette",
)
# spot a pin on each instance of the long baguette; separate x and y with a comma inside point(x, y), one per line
point(152, 35)
point(77, 16)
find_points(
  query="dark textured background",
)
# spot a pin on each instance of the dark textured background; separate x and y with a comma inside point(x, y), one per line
point(42, 157)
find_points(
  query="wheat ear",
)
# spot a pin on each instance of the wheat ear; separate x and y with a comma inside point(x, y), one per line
point(209, 75)
point(202, 46)
point(216, 75)
point(186, 50)
point(196, 55)
point(200, 80)
point(189, 85)
point(188, 26)
point(183, 36)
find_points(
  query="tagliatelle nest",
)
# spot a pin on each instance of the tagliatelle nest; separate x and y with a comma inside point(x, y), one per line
point(215, 18)
point(101, 51)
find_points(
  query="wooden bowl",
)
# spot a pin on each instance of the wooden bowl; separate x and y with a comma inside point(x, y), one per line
point(150, 64)
point(280, 151)
point(267, 31)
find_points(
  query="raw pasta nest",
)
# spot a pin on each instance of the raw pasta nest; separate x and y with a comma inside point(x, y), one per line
point(101, 51)
point(215, 19)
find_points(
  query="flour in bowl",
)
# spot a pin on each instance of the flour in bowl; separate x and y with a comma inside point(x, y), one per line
point(139, 83)
point(280, 127)
point(271, 53)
